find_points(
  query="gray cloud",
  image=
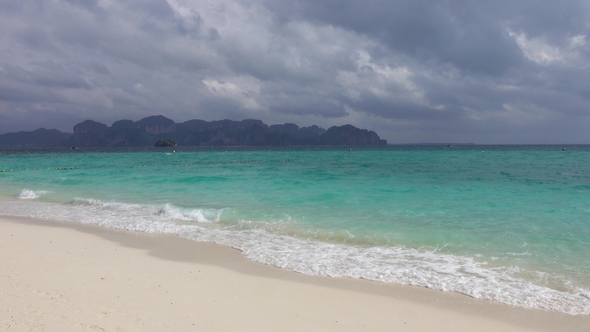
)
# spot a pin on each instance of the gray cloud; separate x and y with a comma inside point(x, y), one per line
point(461, 32)
point(414, 70)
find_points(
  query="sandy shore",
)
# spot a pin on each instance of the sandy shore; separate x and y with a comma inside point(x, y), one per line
point(70, 277)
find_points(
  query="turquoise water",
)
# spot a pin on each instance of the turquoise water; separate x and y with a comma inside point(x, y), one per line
point(505, 223)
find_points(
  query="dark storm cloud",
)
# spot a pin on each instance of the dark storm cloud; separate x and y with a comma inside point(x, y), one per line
point(414, 70)
point(459, 32)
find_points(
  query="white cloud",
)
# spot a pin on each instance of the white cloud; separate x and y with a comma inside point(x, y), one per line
point(542, 52)
point(242, 90)
point(140, 88)
point(578, 41)
point(392, 83)
point(537, 49)
point(378, 78)
point(399, 75)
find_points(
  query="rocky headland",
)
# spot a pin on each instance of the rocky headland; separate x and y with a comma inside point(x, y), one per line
point(147, 131)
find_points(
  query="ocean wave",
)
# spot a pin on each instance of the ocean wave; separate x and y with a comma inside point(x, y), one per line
point(390, 264)
point(167, 211)
point(413, 267)
point(31, 194)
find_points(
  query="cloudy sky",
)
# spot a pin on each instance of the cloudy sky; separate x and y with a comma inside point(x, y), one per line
point(412, 70)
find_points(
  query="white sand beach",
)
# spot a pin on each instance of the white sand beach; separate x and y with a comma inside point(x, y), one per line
point(74, 277)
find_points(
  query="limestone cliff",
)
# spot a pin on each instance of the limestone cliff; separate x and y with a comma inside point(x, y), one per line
point(147, 131)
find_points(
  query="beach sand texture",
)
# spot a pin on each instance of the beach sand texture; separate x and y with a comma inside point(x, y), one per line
point(68, 277)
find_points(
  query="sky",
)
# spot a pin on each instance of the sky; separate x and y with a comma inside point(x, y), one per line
point(414, 71)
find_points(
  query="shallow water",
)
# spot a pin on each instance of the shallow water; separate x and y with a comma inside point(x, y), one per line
point(505, 223)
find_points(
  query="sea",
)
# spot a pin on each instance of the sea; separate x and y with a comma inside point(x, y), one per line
point(508, 224)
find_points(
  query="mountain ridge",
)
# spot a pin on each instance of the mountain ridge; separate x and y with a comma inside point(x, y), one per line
point(195, 132)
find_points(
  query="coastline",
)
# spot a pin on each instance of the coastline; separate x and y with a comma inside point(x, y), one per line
point(71, 276)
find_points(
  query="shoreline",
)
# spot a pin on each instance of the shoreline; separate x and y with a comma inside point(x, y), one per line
point(121, 280)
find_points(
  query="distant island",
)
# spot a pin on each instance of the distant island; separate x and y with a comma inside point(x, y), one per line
point(148, 131)
point(164, 143)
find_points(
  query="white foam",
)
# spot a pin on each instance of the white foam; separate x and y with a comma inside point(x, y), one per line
point(31, 194)
point(165, 211)
point(198, 215)
point(381, 263)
